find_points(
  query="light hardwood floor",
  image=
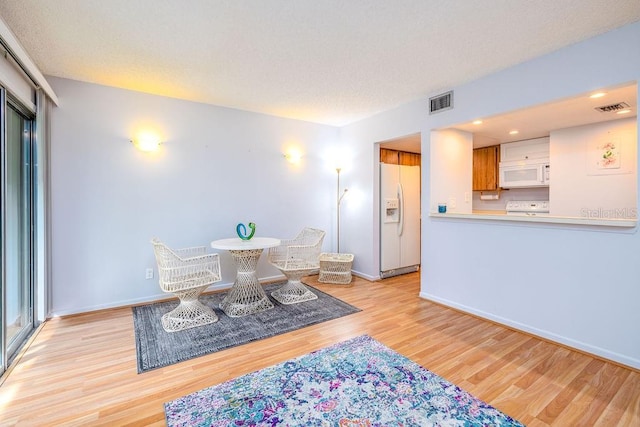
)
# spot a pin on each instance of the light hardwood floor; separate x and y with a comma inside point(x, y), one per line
point(81, 370)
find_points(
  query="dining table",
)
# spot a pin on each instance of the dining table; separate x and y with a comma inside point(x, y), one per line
point(246, 296)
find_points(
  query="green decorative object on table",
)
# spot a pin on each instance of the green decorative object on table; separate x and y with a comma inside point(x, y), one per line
point(242, 231)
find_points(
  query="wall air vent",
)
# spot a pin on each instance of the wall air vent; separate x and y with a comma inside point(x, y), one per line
point(613, 107)
point(441, 102)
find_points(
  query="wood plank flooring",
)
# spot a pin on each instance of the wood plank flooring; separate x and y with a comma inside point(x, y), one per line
point(81, 370)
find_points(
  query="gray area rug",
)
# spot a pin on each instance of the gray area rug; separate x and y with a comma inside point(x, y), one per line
point(156, 348)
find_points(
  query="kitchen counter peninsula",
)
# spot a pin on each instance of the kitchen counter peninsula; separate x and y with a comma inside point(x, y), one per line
point(562, 220)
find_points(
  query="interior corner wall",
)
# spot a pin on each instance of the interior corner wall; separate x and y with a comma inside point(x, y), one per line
point(216, 167)
point(576, 285)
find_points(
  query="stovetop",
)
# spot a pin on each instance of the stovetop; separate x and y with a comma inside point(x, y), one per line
point(527, 207)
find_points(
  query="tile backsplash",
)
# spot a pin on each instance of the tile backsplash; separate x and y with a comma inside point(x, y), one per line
point(541, 193)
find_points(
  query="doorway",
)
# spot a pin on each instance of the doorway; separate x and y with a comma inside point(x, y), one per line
point(399, 205)
point(17, 227)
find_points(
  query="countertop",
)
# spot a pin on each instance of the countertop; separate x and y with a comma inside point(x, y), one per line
point(488, 212)
point(502, 216)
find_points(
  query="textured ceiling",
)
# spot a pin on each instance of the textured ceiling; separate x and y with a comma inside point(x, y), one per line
point(325, 61)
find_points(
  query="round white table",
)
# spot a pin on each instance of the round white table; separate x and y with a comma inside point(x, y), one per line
point(246, 295)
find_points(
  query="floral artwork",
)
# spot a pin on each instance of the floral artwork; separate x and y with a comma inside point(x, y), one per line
point(356, 383)
point(609, 155)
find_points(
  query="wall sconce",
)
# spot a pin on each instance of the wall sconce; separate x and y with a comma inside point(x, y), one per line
point(146, 142)
point(293, 156)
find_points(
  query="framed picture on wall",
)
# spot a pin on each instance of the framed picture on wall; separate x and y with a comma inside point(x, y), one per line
point(608, 155)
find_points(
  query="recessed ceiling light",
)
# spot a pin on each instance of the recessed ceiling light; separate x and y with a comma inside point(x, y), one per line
point(477, 122)
point(623, 111)
point(513, 132)
point(598, 95)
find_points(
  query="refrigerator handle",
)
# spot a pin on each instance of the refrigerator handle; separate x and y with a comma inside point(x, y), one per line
point(401, 210)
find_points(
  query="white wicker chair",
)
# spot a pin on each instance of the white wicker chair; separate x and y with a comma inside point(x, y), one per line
point(186, 273)
point(297, 258)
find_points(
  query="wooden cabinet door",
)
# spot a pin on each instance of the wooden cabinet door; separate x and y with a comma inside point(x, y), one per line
point(485, 168)
point(394, 157)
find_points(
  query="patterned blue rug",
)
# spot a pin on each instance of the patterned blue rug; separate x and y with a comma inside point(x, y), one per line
point(156, 348)
point(355, 383)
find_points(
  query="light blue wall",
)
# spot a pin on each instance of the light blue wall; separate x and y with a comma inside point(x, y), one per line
point(576, 285)
point(217, 167)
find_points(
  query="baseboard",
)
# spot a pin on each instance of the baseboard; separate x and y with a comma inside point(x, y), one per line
point(164, 296)
point(365, 276)
point(399, 271)
point(601, 353)
point(149, 299)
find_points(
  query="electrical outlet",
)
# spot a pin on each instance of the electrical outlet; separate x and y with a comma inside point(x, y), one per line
point(148, 273)
point(452, 202)
point(467, 197)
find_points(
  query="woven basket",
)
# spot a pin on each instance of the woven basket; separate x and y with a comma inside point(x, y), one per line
point(335, 268)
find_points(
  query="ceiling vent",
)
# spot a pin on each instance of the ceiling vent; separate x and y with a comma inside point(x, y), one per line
point(613, 107)
point(441, 102)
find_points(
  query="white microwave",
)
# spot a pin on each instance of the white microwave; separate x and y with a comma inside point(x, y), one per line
point(524, 174)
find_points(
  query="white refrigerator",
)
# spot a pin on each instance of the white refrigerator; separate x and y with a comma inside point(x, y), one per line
point(399, 219)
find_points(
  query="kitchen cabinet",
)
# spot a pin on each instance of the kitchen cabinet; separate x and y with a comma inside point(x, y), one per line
point(395, 157)
point(409, 159)
point(485, 168)
point(389, 156)
point(530, 149)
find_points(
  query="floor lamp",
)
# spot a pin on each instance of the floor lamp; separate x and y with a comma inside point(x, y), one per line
point(339, 200)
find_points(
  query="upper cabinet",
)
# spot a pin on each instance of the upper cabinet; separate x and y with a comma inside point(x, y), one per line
point(396, 157)
point(485, 168)
point(530, 149)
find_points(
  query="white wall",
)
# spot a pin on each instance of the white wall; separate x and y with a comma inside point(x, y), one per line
point(217, 167)
point(360, 229)
point(579, 187)
point(577, 285)
point(451, 170)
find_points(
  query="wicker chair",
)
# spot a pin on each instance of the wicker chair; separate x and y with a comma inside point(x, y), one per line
point(297, 258)
point(186, 273)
